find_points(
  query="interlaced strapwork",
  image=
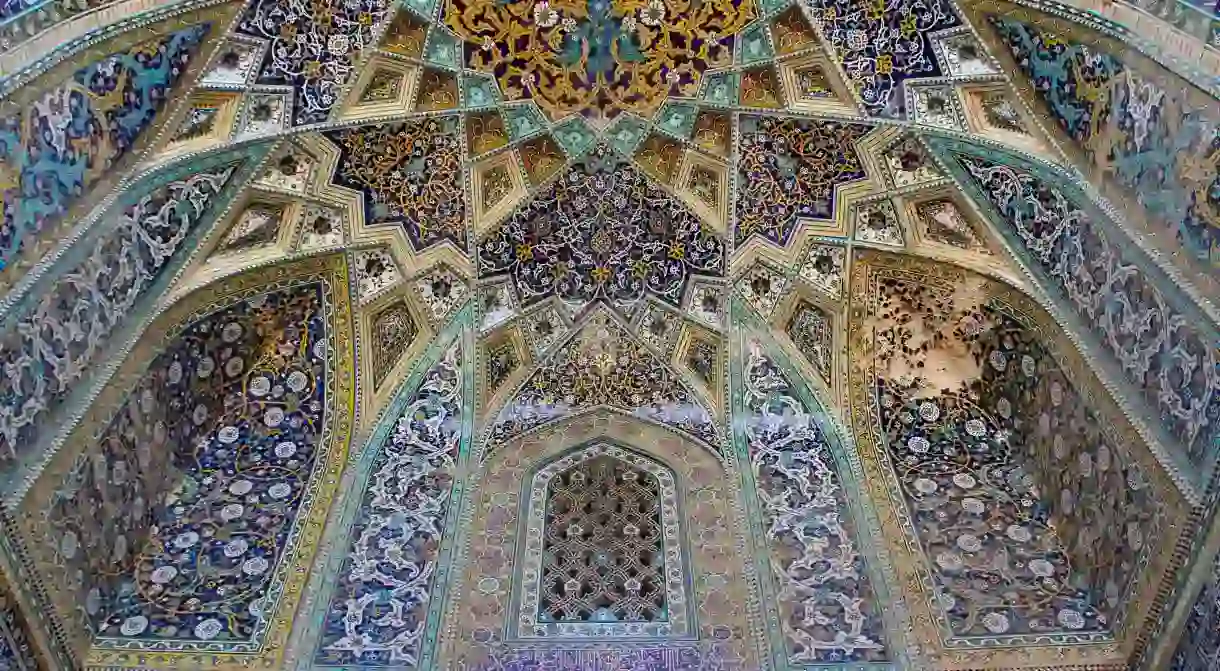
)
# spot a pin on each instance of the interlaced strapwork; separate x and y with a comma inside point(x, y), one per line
point(603, 557)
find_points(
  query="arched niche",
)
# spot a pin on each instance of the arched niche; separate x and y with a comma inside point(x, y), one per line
point(998, 456)
point(482, 625)
point(182, 510)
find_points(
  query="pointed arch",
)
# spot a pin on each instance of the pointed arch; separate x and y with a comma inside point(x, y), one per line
point(984, 434)
point(603, 554)
point(235, 406)
point(602, 365)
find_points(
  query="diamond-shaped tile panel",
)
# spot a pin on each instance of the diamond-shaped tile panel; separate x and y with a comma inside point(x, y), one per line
point(791, 32)
point(421, 7)
point(236, 65)
point(677, 119)
point(442, 292)
point(485, 132)
point(627, 133)
point(498, 186)
point(721, 88)
point(257, 225)
point(700, 353)
point(200, 122)
point(998, 110)
point(878, 222)
point(763, 287)
point(543, 328)
point(812, 84)
point(754, 45)
point(660, 157)
point(704, 185)
point(438, 91)
point(713, 132)
point(908, 162)
point(523, 120)
point(658, 327)
point(811, 329)
point(291, 169)
point(264, 113)
point(940, 220)
point(542, 158)
point(479, 91)
point(962, 56)
point(760, 88)
point(708, 303)
point(406, 35)
point(443, 49)
point(575, 137)
point(375, 272)
point(503, 354)
point(320, 226)
point(823, 268)
point(935, 106)
point(496, 305)
point(392, 331)
point(495, 184)
point(383, 86)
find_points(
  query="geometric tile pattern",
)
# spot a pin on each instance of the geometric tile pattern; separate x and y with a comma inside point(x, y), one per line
point(313, 48)
point(410, 174)
point(884, 46)
point(792, 168)
point(602, 231)
point(602, 365)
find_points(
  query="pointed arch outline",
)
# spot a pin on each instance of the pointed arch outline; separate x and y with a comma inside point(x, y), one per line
point(485, 447)
point(719, 568)
point(680, 622)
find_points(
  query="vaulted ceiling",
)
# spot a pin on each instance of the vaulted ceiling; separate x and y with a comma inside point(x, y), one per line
point(976, 240)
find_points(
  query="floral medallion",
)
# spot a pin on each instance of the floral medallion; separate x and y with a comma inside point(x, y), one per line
point(602, 231)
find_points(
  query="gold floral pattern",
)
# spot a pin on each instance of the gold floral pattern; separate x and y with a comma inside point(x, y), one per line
point(598, 57)
point(410, 174)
